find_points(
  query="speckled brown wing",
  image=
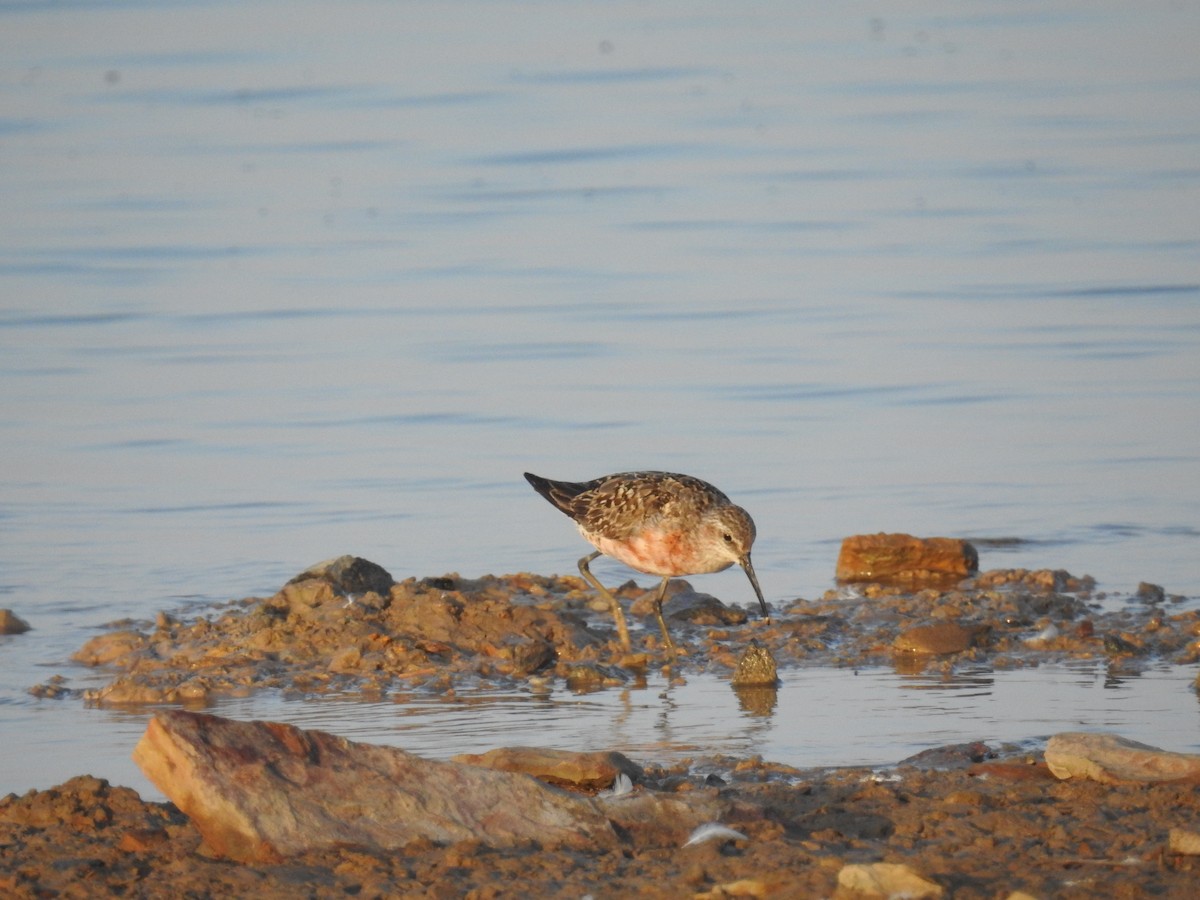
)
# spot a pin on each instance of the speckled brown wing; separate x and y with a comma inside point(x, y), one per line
point(618, 506)
point(563, 495)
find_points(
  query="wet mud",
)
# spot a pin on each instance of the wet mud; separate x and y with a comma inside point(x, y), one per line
point(985, 830)
point(445, 633)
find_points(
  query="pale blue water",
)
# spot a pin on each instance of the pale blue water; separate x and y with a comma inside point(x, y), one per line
point(284, 281)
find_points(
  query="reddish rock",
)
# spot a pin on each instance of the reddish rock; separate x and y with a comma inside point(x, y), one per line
point(261, 791)
point(902, 558)
point(1111, 759)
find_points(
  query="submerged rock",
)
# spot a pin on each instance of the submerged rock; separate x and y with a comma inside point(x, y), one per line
point(586, 677)
point(54, 688)
point(1150, 593)
point(11, 623)
point(941, 638)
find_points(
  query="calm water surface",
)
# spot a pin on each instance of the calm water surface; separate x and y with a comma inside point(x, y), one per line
point(284, 281)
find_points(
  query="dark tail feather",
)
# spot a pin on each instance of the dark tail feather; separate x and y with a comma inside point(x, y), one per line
point(540, 484)
point(559, 493)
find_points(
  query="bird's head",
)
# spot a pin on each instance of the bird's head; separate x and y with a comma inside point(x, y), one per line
point(728, 535)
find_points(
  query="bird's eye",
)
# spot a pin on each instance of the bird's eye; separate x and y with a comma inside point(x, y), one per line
point(728, 537)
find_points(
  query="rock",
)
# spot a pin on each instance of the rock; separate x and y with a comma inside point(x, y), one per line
point(81, 805)
point(891, 558)
point(585, 677)
point(54, 688)
point(117, 648)
point(885, 880)
point(1111, 759)
point(1044, 580)
point(260, 791)
point(743, 887)
point(1183, 841)
point(951, 756)
point(527, 655)
point(941, 638)
point(129, 691)
point(756, 667)
point(11, 623)
point(142, 840)
point(1150, 593)
point(349, 575)
point(585, 771)
point(304, 598)
point(1122, 645)
point(687, 605)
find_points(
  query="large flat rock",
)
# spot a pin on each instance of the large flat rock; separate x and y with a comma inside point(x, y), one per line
point(261, 791)
point(1111, 759)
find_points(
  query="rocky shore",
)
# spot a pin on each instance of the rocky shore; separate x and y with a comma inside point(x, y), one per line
point(279, 812)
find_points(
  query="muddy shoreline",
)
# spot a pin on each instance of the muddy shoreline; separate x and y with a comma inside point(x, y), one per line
point(986, 830)
point(970, 821)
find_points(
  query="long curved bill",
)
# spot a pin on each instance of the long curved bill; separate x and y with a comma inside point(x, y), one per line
point(754, 583)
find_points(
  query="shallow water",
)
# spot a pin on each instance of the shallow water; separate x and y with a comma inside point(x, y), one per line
point(284, 282)
point(819, 717)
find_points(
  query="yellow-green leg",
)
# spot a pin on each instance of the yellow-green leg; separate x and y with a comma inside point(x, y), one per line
point(618, 613)
point(662, 623)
